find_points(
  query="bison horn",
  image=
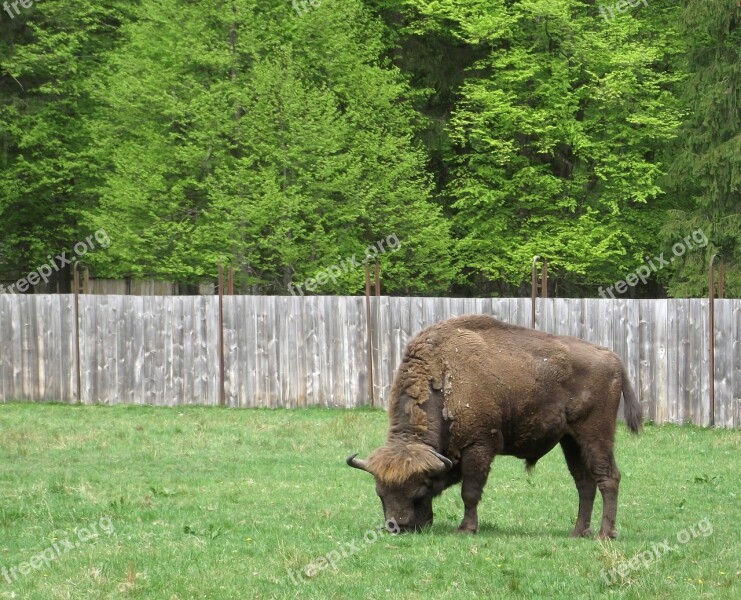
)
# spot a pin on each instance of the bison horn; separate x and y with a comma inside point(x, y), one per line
point(357, 463)
point(447, 464)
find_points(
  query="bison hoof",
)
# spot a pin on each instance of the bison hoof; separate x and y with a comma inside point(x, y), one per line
point(581, 533)
point(467, 529)
point(607, 535)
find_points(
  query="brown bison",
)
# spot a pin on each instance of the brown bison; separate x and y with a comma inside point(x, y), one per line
point(472, 387)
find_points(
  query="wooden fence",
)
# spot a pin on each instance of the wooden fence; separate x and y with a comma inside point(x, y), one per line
point(285, 351)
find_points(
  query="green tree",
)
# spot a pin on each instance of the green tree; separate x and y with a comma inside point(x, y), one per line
point(557, 132)
point(47, 175)
point(707, 170)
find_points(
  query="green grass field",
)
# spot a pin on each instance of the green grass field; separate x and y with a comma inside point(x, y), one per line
point(135, 502)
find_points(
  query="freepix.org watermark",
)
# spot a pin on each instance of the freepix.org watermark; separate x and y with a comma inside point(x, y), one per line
point(14, 5)
point(621, 6)
point(333, 557)
point(646, 558)
point(57, 262)
point(64, 545)
point(300, 6)
point(332, 272)
point(656, 263)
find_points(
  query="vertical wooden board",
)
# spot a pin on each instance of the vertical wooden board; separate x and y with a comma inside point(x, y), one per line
point(312, 341)
point(314, 338)
point(278, 370)
point(381, 358)
point(661, 361)
point(187, 364)
point(42, 340)
point(99, 311)
point(520, 311)
point(68, 331)
point(118, 328)
point(736, 353)
point(317, 394)
point(147, 358)
point(212, 349)
point(549, 315)
point(88, 350)
point(395, 341)
point(29, 376)
point(337, 314)
point(385, 350)
point(702, 400)
point(275, 333)
point(328, 375)
point(237, 364)
point(498, 309)
point(562, 314)
point(615, 331)
point(631, 350)
point(290, 350)
point(18, 315)
point(134, 349)
point(196, 393)
point(301, 363)
point(48, 326)
point(249, 355)
point(642, 381)
point(676, 360)
point(261, 353)
point(690, 398)
point(150, 350)
point(352, 339)
point(166, 345)
point(7, 357)
point(432, 311)
point(109, 319)
point(5, 346)
point(178, 350)
point(376, 336)
point(470, 306)
point(456, 307)
point(723, 363)
point(231, 351)
point(233, 365)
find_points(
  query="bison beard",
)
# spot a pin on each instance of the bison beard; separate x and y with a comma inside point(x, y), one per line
point(472, 387)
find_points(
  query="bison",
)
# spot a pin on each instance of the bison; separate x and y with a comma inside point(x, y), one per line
point(473, 387)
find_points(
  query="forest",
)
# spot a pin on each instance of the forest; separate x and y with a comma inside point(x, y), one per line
point(458, 139)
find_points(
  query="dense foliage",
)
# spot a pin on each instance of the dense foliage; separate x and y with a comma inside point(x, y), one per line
point(288, 137)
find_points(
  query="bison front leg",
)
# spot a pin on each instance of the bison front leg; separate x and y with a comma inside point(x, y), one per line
point(475, 465)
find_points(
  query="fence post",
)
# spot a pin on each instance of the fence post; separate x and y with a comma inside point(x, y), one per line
point(534, 286)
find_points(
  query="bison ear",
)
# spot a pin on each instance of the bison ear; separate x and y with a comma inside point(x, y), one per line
point(446, 466)
point(357, 463)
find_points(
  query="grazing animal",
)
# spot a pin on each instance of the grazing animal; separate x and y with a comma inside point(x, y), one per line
point(472, 387)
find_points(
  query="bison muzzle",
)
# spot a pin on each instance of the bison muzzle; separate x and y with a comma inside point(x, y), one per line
point(473, 387)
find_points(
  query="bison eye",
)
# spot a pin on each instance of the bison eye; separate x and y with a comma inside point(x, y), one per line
point(420, 493)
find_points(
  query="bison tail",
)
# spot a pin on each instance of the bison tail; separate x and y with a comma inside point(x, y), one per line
point(631, 406)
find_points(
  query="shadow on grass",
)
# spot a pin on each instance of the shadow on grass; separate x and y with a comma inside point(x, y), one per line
point(489, 530)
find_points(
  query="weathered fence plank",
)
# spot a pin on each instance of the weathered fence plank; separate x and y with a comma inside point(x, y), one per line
point(311, 351)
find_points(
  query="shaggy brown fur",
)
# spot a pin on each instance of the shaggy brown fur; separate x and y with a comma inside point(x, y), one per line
point(474, 387)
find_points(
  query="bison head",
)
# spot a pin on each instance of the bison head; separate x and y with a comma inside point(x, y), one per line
point(408, 477)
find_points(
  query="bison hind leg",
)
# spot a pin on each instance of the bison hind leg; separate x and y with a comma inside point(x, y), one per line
point(586, 486)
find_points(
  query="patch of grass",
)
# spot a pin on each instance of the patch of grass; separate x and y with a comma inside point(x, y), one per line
point(214, 503)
